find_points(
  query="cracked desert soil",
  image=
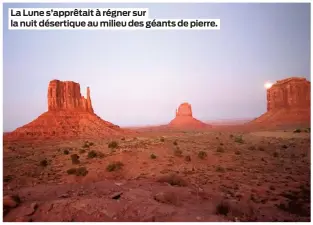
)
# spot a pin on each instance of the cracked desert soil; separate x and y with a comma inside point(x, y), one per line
point(161, 176)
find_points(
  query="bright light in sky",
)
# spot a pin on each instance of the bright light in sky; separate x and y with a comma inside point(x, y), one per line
point(268, 85)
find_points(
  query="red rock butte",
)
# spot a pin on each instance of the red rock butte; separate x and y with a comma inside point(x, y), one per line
point(288, 102)
point(69, 115)
point(185, 119)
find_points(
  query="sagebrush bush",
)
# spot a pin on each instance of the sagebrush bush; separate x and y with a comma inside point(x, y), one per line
point(66, 152)
point(75, 159)
point(44, 163)
point(114, 166)
point(202, 155)
point(239, 139)
point(113, 144)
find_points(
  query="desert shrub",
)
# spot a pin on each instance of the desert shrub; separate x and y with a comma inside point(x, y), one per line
point(297, 131)
point(239, 139)
point(220, 149)
point(237, 152)
point(173, 180)
point(202, 155)
point(231, 136)
point(44, 163)
point(175, 143)
point(216, 138)
point(222, 208)
point(71, 171)
point(86, 145)
point(123, 139)
point(261, 148)
point(162, 139)
point(66, 152)
point(153, 156)
point(92, 154)
point(178, 152)
point(275, 154)
point(113, 144)
point(221, 144)
point(114, 166)
point(7, 178)
point(81, 171)
point(82, 151)
point(284, 146)
point(308, 130)
point(187, 158)
point(75, 159)
point(220, 169)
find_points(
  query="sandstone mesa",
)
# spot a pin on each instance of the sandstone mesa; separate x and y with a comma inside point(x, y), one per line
point(288, 102)
point(69, 115)
point(185, 119)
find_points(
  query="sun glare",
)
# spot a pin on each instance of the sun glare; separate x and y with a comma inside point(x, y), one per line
point(268, 85)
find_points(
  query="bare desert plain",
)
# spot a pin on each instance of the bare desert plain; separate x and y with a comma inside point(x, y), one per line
point(70, 165)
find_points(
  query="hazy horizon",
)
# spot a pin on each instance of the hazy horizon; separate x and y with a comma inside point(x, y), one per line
point(139, 78)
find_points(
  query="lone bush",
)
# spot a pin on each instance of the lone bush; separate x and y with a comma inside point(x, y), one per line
point(82, 151)
point(239, 139)
point(297, 131)
point(92, 154)
point(71, 171)
point(113, 144)
point(202, 155)
point(66, 152)
point(153, 156)
point(44, 163)
point(220, 169)
point(114, 166)
point(187, 158)
point(75, 159)
point(222, 208)
point(81, 171)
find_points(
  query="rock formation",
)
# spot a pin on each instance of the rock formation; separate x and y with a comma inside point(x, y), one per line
point(66, 96)
point(69, 115)
point(289, 93)
point(184, 118)
point(288, 102)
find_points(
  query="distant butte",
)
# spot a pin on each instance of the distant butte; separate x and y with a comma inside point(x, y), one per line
point(185, 119)
point(288, 102)
point(69, 115)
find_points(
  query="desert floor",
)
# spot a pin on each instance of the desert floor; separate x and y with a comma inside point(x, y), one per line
point(212, 175)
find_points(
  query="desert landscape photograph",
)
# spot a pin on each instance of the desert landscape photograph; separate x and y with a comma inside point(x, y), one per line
point(163, 125)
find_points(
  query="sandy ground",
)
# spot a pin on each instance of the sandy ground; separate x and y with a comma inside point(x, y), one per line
point(206, 175)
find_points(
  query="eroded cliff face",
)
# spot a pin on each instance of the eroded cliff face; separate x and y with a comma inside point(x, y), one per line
point(65, 95)
point(289, 93)
point(288, 103)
